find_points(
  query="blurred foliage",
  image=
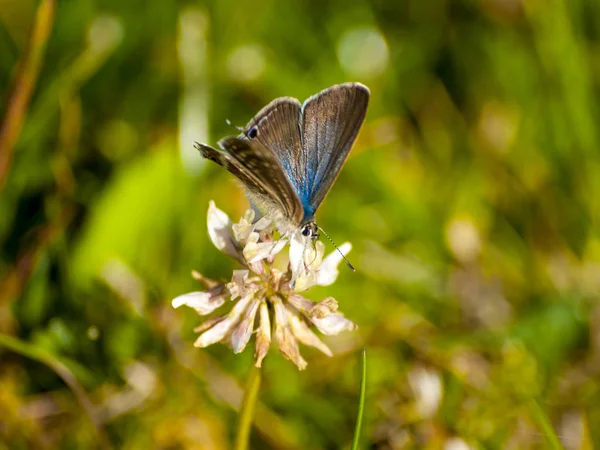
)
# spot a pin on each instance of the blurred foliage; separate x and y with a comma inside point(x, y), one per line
point(471, 198)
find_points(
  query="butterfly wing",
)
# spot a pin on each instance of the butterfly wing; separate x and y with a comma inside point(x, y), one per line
point(307, 144)
point(330, 121)
point(259, 171)
point(277, 127)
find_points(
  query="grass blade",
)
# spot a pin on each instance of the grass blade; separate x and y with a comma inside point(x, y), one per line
point(545, 425)
point(30, 351)
point(24, 84)
point(361, 401)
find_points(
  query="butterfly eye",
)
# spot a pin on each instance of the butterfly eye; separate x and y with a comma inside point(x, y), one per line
point(305, 231)
point(253, 132)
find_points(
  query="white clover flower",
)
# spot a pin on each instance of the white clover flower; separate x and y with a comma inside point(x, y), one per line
point(307, 264)
point(263, 293)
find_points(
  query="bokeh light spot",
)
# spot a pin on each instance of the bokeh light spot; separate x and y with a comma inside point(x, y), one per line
point(363, 52)
point(105, 33)
point(463, 239)
point(246, 63)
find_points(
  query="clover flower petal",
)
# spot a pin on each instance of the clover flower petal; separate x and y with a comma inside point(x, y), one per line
point(283, 335)
point(255, 251)
point(203, 302)
point(244, 227)
point(222, 329)
point(328, 272)
point(298, 244)
point(333, 324)
point(238, 286)
point(304, 334)
point(301, 303)
point(263, 337)
point(305, 260)
point(219, 231)
point(323, 308)
point(261, 292)
point(242, 333)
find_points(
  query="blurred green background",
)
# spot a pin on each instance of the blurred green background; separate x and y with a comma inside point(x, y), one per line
point(471, 198)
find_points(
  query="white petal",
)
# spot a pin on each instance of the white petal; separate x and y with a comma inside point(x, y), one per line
point(302, 304)
point(333, 324)
point(297, 246)
point(283, 335)
point(239, 276)
point(205, 280)
point(203, 302)
point(305, 280)
point(258, 268)
point(304, 334)
point(324, 308)
point(237, 286)
point(262, 223)
point(263, 337)
point(254, 252)
point(313, 256)
point(305, 258)
point(216, 333)
point(328, 271)
point(219, 230)
point(241, 335)
point(208, 323)
point(224, 327)
point(242, 230)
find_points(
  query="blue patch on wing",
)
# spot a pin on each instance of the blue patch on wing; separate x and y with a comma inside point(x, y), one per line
point(309, 212)
point(303, 190)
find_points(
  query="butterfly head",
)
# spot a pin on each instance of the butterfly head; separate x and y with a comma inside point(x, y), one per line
point(310, 229)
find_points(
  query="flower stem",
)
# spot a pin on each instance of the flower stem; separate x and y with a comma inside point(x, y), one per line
point(247, 410)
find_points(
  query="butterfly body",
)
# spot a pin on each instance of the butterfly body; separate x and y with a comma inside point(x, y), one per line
point(289, 155)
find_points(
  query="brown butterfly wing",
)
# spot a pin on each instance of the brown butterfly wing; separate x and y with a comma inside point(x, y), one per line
point(277, 127)
point(259, 171)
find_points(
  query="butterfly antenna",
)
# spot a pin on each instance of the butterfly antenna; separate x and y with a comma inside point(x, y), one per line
point(234, 126)
point(350, 266)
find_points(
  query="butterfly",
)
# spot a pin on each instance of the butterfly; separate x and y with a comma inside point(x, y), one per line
point(290, 154)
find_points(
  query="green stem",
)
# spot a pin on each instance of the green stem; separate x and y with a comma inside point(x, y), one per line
point(247, 410)
point(545, 425)
point(361, 401)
